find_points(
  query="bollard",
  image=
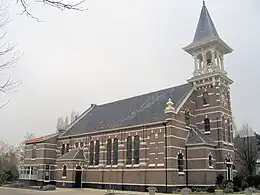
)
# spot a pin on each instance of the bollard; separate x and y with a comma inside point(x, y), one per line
point(219, 192)
point(248, 191)
point(152, 190)
point(185, 191)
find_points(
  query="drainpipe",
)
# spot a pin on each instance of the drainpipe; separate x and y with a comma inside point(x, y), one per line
point(187, 173)
point(165, 151)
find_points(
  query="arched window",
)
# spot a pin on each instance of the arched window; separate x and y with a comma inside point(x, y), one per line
point(64, 171)
point(210, 161)
point(91, 153)
point(136, 149)
point(129, 150)
point(81, 144)
point(207, 124)
point(76, 145)
point(62, 149)
point(67, 148)
point(97, 146)
point(109, 150)
point(115, 151)
point(180, 162)
point(187, 117)
point(205, 98)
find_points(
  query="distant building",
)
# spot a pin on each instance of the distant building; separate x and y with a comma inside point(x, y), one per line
point(175, 137)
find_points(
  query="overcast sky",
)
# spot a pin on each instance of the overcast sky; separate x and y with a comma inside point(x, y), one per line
point(117, 49)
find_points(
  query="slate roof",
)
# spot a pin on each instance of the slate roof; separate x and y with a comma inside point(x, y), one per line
point(195, 136)
point(136, 110)
point(206, 32)
point(74, 154)
point(205, 29)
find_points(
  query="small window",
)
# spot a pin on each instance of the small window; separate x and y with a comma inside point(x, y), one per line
point(81, 144)
point(187, 117)
point(76, 145)
point(67, 148)
point(64, 171)
point(205, 98)
point(207, 125)
point(210, 161)
point(180, 163)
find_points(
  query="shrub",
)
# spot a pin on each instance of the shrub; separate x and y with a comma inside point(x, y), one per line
point(210, 189)
point(253, 180)
point(219, 180)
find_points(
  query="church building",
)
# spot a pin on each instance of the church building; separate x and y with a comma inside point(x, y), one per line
point(171, 138)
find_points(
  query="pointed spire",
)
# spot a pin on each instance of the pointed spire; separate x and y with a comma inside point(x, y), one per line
point(205, 29)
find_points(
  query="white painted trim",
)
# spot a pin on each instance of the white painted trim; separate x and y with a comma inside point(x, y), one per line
point(40, 158)
point(184, 100)
point(78, 119)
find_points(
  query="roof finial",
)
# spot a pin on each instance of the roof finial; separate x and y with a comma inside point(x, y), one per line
point(204, 3)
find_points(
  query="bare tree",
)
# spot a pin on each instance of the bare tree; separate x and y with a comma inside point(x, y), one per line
point(245, 150)
point(9, 57)
point(62, 123)
point(60, 4)
point(20, 150)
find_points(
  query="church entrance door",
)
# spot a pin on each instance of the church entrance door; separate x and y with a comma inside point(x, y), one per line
point(78, 176)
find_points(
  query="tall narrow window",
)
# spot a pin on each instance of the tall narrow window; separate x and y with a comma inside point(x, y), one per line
point(97, 146)
point(62, 149)
point(129, 150)
point(67, 148)
point(136, 149)
point(109, 151)
point(76, 145)
point(228, 130)
point(180, 162)
point(34, 151)
point(205, 98)
point(91, 153)
point(187, 117)
point(223, 128)
point(64, 171)
point(115, 151)
point(210, 161)
point(207, 124)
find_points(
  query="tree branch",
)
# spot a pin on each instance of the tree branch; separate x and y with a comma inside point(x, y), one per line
point(60, 4)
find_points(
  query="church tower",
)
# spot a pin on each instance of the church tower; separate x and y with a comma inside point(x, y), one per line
point(213, 108)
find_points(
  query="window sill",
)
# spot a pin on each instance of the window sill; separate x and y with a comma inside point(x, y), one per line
point(128, 166)
point(108, 166)
point(114, 166)
point(136, 165)
point(160, 165)
point(206, 132)
point(211, 167)
point(151, 165)
point(90, 166)
point(63, 177)
point(205, 105)
point(33, 159)
point(181, 173)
